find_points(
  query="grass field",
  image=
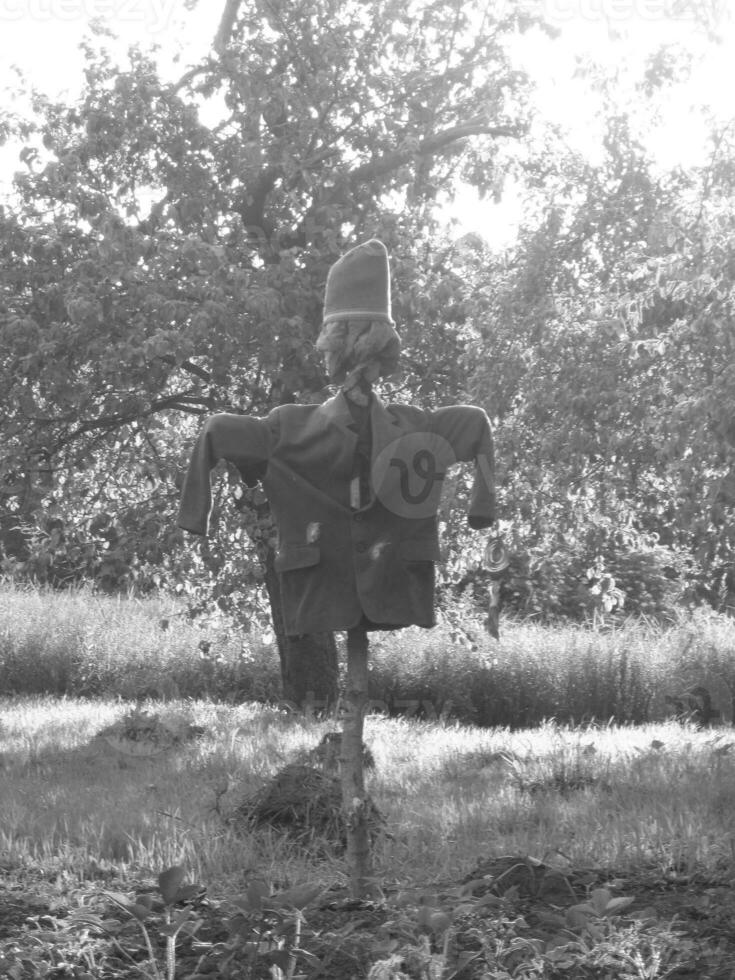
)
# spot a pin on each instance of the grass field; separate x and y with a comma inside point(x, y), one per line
point(82, 644)
point(640, 813)
point(588, 848)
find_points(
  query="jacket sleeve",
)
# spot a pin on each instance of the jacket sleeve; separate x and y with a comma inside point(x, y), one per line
point(467, 430)
point(243, 441)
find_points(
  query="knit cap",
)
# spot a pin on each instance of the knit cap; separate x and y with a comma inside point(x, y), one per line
point(358, 285)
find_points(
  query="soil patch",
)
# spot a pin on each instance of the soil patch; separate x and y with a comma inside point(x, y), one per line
point(516, 907)
point(505, 900)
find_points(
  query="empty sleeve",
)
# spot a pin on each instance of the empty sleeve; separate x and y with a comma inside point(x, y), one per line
point(243, 441)
point(467, 430)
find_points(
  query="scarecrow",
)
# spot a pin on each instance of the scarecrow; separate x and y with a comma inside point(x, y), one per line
point(354, 486)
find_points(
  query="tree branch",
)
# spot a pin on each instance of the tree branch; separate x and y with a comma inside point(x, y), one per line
point(189, 76)
point(189, 409)
point(432, 144)
point(396, 158)
point(194, 369)
point(180, 401)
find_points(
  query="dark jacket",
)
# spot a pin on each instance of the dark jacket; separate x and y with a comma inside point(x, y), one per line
point(345, 560)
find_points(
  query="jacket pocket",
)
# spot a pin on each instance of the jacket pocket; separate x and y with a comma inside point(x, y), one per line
point(289, 557)
point(419, 550)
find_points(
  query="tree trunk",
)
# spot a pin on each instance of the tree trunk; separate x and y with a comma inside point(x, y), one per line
point(309, 664)
point(226, 24)
point(354, 801)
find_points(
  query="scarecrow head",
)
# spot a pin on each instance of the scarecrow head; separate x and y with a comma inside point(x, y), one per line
point(358, 335)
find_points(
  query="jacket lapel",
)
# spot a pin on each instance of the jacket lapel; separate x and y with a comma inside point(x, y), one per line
point(386, 427)
point(337, 424)
point(336, 412)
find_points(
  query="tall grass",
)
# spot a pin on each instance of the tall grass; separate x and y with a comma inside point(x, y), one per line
point(84, 644)
point(81, 644)
point(572, 673)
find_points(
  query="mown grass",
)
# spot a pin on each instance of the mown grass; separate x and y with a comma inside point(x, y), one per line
point(80, 644)
point(660, 795)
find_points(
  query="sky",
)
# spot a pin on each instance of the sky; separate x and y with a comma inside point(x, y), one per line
point(42, 37)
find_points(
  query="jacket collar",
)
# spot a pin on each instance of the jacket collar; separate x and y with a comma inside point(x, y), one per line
point(337, 411)
point(386, 426)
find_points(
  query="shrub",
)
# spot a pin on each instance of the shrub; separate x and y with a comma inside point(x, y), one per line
point(598, 569)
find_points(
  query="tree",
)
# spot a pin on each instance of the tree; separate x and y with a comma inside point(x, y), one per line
point(156, 269)
point(611, 330)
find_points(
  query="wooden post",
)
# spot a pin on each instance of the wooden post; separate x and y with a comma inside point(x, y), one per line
point(354, 802)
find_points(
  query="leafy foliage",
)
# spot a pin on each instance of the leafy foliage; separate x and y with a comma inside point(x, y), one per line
point(610, 379)
point(157, 269)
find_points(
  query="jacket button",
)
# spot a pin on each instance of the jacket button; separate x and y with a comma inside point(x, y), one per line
point(359, 517)
point(360, 547)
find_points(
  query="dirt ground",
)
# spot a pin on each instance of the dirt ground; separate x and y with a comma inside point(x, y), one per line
point(695, 912)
